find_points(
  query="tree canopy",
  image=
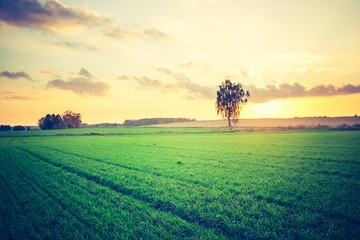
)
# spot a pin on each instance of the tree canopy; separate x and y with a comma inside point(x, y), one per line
point(5, 128)
point(229, 100)
point(69, 119)
point(153, 121)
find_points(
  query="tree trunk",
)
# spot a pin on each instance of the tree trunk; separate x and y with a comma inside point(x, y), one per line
point(228, 116)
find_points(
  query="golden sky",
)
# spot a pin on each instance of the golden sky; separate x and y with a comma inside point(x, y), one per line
point(117, 60)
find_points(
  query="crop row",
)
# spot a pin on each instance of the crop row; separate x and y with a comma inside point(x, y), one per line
point(225, 174)
point(271, 185)
point(67, 205)
point(241, 174)
point(230, 211)
point(27, 210)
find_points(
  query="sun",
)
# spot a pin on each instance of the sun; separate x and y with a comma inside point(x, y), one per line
point(272, 109)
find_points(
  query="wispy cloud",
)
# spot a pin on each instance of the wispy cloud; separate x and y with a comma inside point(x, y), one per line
point(47, 16)
point(156, 34)
point(244, 73)
point(179, 81)
point(136, 33)
point(85, 73)
point(56, 16)
point(349, 89)
point(19, 97)
point(187, 65)
point(15, 75)
point(184, 82)
point(50, 73)
point(76, 45)
point(124, 78)
point(149, 83)
point(84, 84)
point(297, 90)
point(209, 69)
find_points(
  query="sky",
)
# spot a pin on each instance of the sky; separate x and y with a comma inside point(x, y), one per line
point(117, 60)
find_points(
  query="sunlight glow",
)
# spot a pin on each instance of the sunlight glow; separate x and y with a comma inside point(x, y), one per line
point(114, 60)
point(270, 109)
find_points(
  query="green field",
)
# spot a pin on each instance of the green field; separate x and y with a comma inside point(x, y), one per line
point(162, 183)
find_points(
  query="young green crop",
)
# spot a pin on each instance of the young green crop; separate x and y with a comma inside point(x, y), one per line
point(179, 183)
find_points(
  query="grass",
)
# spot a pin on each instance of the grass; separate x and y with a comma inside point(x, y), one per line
point(113, 131)
point(158, 183)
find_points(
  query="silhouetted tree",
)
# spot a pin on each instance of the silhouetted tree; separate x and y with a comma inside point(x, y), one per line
point(5, 128)
point(71, 119)
point(51, 121)
point(57, 121)
point(19, 128)
point(153, 121)
point(230, 99)
point(44, 122)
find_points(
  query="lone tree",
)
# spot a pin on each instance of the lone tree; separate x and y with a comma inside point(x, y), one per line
point(230, 99)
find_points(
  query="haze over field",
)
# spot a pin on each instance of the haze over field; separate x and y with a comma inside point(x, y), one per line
point(112, 61)
point(273, 123)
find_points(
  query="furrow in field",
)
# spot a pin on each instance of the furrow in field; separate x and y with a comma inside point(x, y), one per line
point(9, 200)
point(67, 201)
point(56, 201)
point(102, 161)
point(33, 209)
point(259, 145)
point(281, 160)
point(148, 171)
point(128, 167)
point(51, 208)
point(305, 156)
point(227, 165)
point(303, 160)
point(158, 203)
point(17, 183)
point(240, 158)
point(288, 204)
point(142, 219)
point(310, 203)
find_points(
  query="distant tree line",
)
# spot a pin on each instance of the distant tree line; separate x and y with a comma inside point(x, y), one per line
point(105, 125)
point(153, 121)
point(4, 128)
point(68, 119)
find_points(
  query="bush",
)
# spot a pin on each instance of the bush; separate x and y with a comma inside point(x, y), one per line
point(5, 128)
point(19, 128)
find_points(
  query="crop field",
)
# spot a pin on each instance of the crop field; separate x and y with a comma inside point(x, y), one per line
point(190, 183)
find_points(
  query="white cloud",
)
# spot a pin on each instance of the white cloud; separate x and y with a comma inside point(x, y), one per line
point(84, 84)
point(48, 17)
